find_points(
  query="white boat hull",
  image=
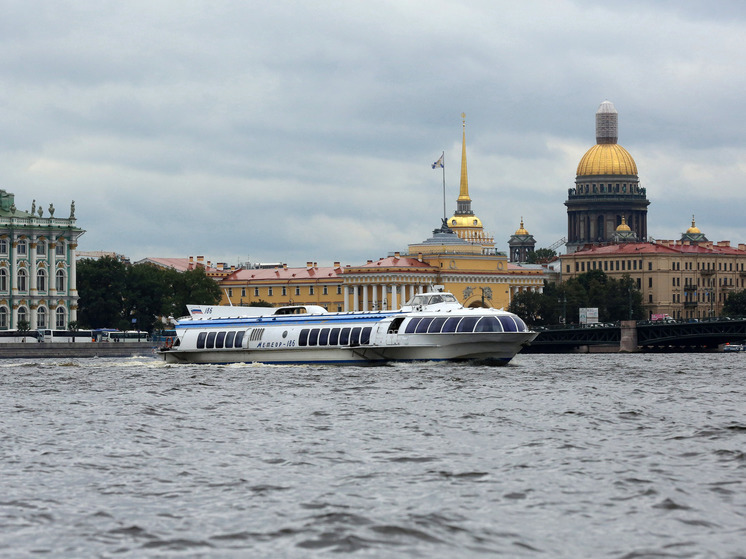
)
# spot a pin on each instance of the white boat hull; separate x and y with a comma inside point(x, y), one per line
point(442, 330)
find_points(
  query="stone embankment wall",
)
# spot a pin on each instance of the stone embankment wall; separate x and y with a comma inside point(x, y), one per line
point(77, 350)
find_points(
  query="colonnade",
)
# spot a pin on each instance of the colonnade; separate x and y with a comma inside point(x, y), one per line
point(377, 297)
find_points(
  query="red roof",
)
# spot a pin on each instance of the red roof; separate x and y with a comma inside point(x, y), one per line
point(656, 248)
point(284, 273)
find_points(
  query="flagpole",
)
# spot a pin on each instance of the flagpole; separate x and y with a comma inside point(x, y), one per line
point(443, 156)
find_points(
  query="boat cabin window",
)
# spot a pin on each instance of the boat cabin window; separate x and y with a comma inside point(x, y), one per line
point(508, 323)
point(239, 339)
point(488, 324)
point(219, 340)
point(365, 336)
point(291, 310)
point(422, 326)
point(313, 337)
point(411, 325)
point(324, 337)
point(344, 336)
point(334, 336)
point(210, 340)
point(436, 325)
point(451, 324)
point(467, 324)
point(395, 324)
point(422, 300)
point(201, 340)
point(355, 336)
point(229, 339)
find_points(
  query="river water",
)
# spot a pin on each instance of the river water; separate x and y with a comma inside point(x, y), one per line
point(619, 456)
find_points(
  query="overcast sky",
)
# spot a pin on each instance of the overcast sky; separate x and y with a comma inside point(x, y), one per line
point(292, 131)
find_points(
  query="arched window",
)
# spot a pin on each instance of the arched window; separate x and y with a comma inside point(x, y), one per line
point(22, 283)
point(22, 316)
point(41, 317)
point(41, 248)
point(61, 318)
point(59, 250)
point(60, 281)
point(3, 279)
point(41, 280)
point(3, 318)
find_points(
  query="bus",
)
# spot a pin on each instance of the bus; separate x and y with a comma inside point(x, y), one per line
point(128, 336)
point(14, 336)
point(66, 336)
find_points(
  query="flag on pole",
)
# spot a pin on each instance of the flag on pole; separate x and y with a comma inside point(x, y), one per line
point(438, 163)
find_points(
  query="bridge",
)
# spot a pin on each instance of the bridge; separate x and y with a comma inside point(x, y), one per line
point(640, 336)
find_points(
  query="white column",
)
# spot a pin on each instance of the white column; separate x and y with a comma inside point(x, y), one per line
point(354, 298)
point(403, 294)
point(346, 298)
point(365, 297)
point(374, 302)
point(420, 288)
point(394, 306)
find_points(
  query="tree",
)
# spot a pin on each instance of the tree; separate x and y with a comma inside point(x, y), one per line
point(735, 304)
point(101, 285)
point(615, 300)
point(540, 256)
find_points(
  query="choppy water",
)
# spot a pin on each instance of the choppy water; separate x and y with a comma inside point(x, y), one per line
point(620, 456)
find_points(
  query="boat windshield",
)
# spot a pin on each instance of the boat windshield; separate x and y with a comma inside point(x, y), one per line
point(424, 300)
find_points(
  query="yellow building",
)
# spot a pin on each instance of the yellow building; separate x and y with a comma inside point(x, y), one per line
point(459, 258)
point(684, 279)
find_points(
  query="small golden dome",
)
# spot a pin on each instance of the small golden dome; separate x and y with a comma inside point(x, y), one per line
point(623, 225)
point(464, 221)
point(521, 230)
point(607, 159)
point(693, 229)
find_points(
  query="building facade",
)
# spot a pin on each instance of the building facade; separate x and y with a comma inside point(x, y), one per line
point(38, 286)
point(607, 189)
point(684, 279)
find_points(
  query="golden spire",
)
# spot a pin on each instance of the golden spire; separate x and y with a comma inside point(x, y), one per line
point(693, 228)
point(464, 187)
point(521, 230)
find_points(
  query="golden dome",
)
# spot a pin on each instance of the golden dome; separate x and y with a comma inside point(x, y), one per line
point(521, 230)
point(607, 159)
point(693, 229)
point(623, 225)
point(464, 221)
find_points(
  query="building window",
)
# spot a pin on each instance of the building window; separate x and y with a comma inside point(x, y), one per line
point(60, 281)
point(22, 283)
point(326, 290)
point(41, 248)
point(41, 281)
point(639, 283)
point(22, 316)
point(650, 282)
point(60, 317)
point(21, 248)
point(59, 250)
point(284, 291)
point(339, 287)
point(3, 279)
point(243, 292)
point(230, 292)
point(297, 290)
point(269, 292)
point(311, 290)
point(41, 317)
point(3, 246)
point(650, 298)
point(3, 318)
point(256, 292)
